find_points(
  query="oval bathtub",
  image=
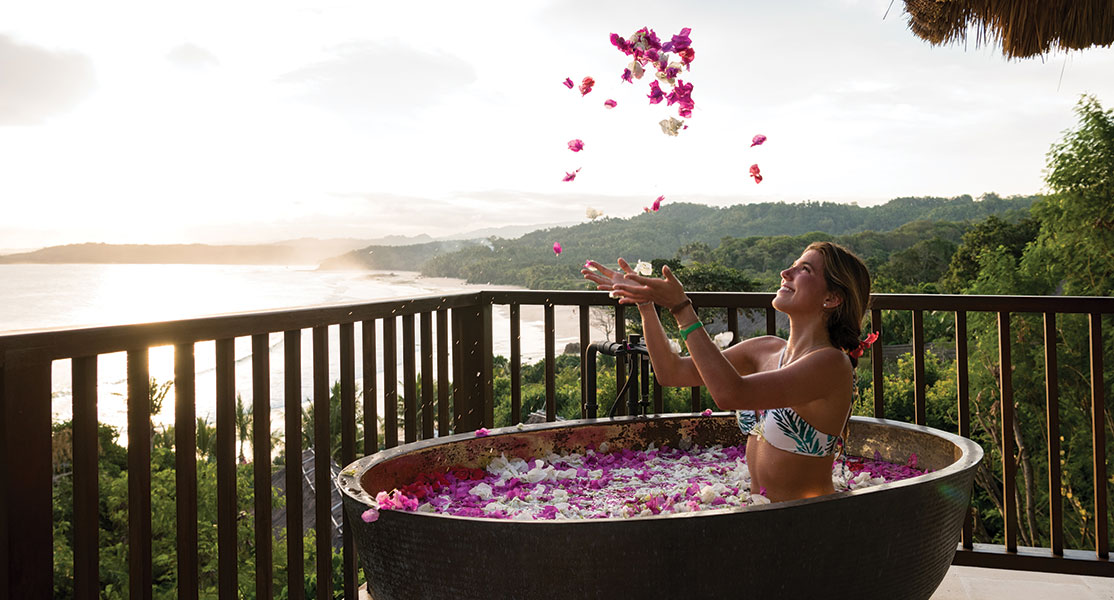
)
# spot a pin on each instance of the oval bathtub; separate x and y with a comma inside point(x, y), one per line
point(894, 540)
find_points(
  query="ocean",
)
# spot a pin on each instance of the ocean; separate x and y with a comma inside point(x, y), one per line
point(34, 297)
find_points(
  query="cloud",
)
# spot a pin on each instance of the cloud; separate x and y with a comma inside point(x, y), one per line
point(369, 78)
point(36, 83)
point(192, 57)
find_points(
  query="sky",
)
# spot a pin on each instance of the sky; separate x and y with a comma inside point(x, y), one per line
point(254, 121)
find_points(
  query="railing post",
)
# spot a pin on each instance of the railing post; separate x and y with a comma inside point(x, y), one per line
point(141, 575)
point(227, 564)
point(475, 398)
point(1009, 467)
point(876, 358)
point(550, 365)
point(26, 519)
point(1098, 435)
point(1052, 424)
point(919, 397)
point(516, 364)
point(964, 408)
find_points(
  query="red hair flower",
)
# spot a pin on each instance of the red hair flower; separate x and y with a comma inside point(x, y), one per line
point(863, 345)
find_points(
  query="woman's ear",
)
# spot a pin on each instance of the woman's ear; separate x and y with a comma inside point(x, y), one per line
point(832, 301)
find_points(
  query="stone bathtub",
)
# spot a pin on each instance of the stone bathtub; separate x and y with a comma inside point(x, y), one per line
point(894, 540)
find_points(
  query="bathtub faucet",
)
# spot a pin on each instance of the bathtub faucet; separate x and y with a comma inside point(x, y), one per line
point(633, 351)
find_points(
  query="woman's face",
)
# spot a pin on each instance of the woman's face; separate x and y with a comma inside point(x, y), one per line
point(803, 287)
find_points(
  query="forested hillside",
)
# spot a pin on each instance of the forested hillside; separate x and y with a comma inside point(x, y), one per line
point(529, 260)
point(754, 238)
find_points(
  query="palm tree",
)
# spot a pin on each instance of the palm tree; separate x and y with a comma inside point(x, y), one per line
point(206, 439)
point(243, 425)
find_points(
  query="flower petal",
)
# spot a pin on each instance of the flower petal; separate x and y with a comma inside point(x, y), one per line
point(556, 250)
point(586, 85)
point(609, 103)
point(576, 145)
point(370, 515)
point(756, 173)
point(672, 126)
point(758, 140)
point(568, 83)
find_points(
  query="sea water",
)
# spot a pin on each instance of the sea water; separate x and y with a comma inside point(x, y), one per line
point(36, 297)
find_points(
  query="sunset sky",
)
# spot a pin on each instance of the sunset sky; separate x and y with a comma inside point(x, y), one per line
point(239, 122)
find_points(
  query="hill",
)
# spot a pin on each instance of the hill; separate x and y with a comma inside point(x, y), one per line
point(530, 261)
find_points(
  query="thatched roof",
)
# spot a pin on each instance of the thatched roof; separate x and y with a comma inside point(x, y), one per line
point(1023, 27)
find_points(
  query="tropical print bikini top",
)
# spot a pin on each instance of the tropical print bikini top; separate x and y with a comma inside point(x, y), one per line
point(784, 429)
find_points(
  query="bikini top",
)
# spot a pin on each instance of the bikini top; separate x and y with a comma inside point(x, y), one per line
point(784, 429)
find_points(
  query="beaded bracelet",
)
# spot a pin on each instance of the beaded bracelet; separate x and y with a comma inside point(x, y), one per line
point(691, 328)
point(674, 309)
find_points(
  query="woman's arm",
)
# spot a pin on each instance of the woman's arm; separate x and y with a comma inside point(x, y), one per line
point(669, 368)
point(803, 381)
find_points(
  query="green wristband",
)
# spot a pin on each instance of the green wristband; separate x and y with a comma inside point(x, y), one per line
point(691, 328)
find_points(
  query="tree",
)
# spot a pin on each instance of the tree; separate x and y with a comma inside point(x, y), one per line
point(243, 425)
point(1077, 220)
point(988, 235)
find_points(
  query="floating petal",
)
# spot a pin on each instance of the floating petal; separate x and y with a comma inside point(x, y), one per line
point(568, 83)
point(758, 140)
point(586, 85)
point(672, 126)
point(556, 250)
point(609, 103)
point(576, 145)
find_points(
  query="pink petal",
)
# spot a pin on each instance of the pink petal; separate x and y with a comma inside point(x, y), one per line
point(570, 176)
point(370, 515)
point(657, 203)
point(556, 250)
point(707, 412)
point(481, 432)
point(568, 83)
point(576, 145)
point(586, 85)
point(758, 140)
point(609, 103)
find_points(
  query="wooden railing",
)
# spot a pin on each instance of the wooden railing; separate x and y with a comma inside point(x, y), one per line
point(454, 343)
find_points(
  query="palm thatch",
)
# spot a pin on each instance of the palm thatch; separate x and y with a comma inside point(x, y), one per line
point(1024, 28)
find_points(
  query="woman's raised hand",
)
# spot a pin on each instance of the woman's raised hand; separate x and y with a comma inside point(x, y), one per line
point(605, 278)
point(665, 291)
point(631, 288)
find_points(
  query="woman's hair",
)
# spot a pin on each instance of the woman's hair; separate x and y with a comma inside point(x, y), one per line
point(848, 278)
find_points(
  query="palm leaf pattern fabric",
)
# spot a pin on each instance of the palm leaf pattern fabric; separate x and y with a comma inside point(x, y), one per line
point(804, 435)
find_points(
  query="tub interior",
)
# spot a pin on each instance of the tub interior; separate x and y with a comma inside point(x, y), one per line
point(398, 467)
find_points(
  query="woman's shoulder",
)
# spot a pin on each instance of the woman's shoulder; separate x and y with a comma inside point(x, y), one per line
point(766, 342)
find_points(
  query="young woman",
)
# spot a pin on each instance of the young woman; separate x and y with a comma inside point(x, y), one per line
point(792, 397)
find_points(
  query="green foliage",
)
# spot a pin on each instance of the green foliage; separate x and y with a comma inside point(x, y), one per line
point(113, 519)
point(1077, 220)
point(759, 239)
point(990, 235)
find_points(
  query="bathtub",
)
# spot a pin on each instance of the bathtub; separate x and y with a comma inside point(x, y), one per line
point(894, 540)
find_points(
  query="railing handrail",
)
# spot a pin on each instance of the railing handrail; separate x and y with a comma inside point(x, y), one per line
point(68, 342)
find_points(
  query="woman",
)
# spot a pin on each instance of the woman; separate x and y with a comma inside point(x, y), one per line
point(792, 397)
